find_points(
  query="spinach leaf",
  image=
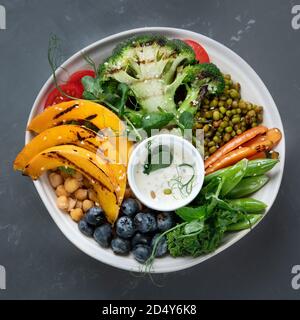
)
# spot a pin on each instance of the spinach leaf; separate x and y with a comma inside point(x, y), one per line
point(158, 158)
point(189, 214)
point(156, 120)
point(92, 88)
point(186, 120)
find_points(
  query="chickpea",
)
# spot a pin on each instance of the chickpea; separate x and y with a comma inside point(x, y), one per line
point(87, 204)
point(81, 194)
point(61, 191)
point(55, 179)
point(78, 204)
point(72, 203)
point(76, 214)
point(92, 195)
point(71, 185)
point(62, 202)
point(78, 176)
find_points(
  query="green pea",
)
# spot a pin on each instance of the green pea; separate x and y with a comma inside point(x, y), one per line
point(237, 86)
point(214, 103)
point(223, 110)
point(233, 133)
point(208, 114)
point(239, 131)
point(211, 143)
point(242, 104)
point(251, 113)
point(167, 191)
point(234, 104)
point(236, 119)
point(221, 104)
point(228, 129)
point(216, 139)
point(224, 124)
point(226, 137)
point(239, 111)
point(234, 94)
point(206, 128)
point(229, 102)
point(233, 111)
point(212, 149)
point(216, 115)
point(254, 124)
point(229, 113)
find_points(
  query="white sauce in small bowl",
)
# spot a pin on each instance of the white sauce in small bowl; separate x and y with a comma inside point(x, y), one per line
point(179, 177)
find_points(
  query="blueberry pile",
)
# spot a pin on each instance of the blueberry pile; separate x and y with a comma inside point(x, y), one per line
point(134, 231)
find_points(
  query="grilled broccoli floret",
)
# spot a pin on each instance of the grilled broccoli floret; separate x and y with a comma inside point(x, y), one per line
point(199, 80)
point(148, 65)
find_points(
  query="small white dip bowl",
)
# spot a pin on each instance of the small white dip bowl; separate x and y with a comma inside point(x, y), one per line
point(138, 158)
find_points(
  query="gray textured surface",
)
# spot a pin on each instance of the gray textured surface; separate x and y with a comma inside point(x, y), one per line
point(40, 261)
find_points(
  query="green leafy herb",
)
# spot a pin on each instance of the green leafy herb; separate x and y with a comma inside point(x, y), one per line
point(156, 120)
point(189, 214)
point(179, 182)
point(186, 120)
point(67, 170)
point(193, 227)
point(89, 60)
point(158, 158)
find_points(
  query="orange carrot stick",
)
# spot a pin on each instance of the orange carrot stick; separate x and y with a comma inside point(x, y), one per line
point(234, 143)
point(231, 158)
point(272, 135)
point(259, 155)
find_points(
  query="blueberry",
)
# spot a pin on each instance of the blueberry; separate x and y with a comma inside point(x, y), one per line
point(141, 253)
point(165, 221)
point(120, 246)
point(85, 228)
point(95, 216)
point(145, 222)
point(130, 207)
point(103, 235)
point(140, 238)
point(124, 227)
point(162, 246)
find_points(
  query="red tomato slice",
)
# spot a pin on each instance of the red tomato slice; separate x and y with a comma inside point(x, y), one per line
point(71, 89)
point(76, 76)
point(200, 52)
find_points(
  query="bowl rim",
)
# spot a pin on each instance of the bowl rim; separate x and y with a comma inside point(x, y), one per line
point(190, 262)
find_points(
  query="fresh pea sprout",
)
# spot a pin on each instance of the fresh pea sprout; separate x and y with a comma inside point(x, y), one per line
point(177, 182)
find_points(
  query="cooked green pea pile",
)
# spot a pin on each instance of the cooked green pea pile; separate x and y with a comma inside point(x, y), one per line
point(226, 116)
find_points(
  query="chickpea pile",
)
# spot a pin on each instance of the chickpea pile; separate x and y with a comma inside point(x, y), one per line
point(74, 194)
point(226, 116)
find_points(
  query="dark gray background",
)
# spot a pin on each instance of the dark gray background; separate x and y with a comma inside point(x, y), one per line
point(40, 261)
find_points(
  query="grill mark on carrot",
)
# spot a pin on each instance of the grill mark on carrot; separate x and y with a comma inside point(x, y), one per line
point(69, 109)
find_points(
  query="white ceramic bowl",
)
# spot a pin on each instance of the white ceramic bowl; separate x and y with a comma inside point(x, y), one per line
point(140, 152)
point(253, 89)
